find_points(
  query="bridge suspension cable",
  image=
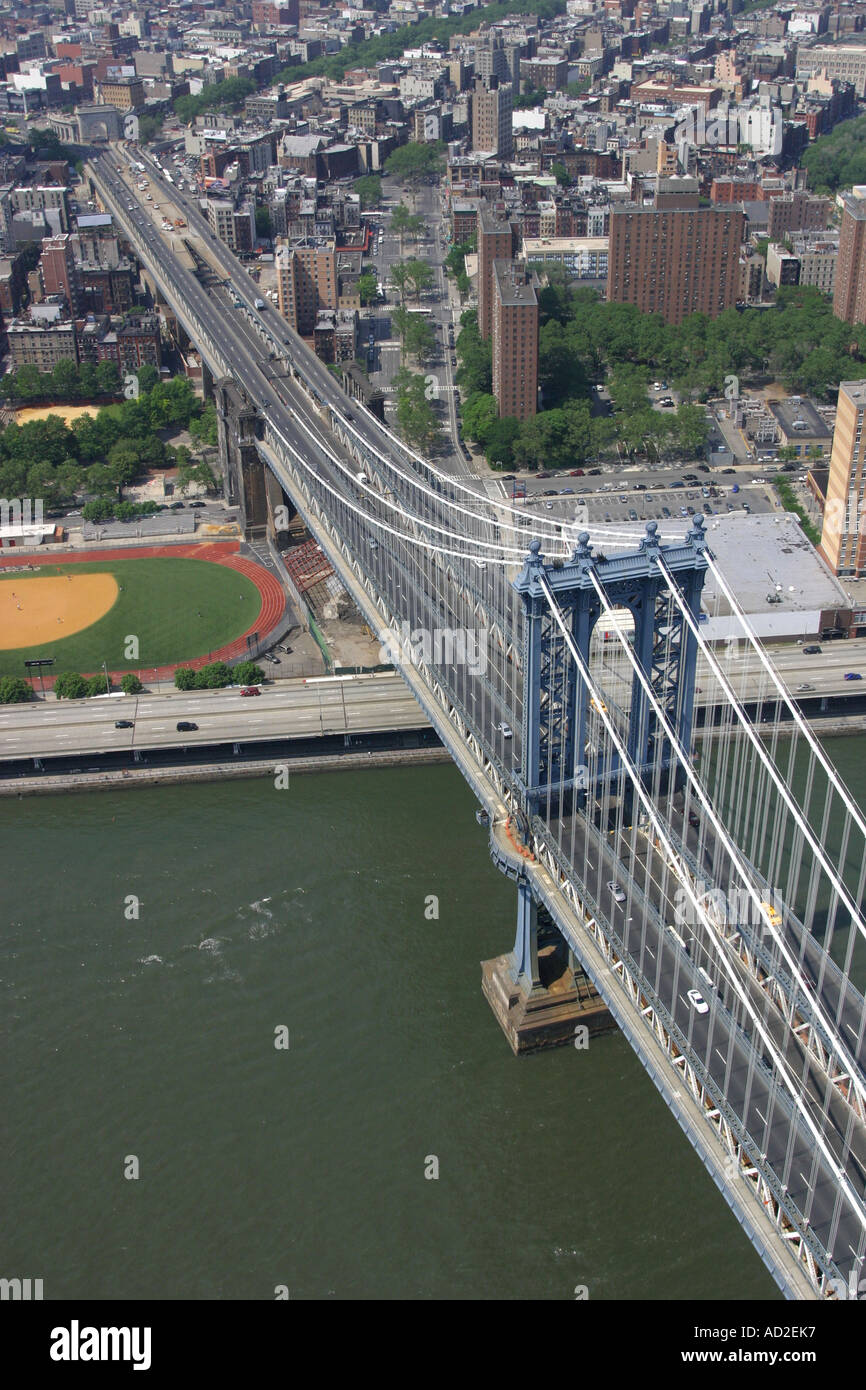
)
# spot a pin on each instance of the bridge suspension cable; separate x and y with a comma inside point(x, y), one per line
point(794, 1090)
point(734, 855)
point(802, 824)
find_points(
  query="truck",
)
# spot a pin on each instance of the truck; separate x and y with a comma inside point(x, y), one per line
point(179, 222)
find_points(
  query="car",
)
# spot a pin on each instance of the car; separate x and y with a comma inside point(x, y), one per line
point(667, 402)
point(666, 511)
point(678, 484)
point(176, 506)
point(708, 511)
point(594, 472)
point(549, 506)
point(509, 478)
point(453, 361)
point(632, 514)
point(185, 726)
point(623, 497)
point(735, 487)
point(614, 888)
point(250, 690)
point(197, 504)
point(281, 647)
point(801, 689)
point(581, 501)
point(853, 676)
point(505, 730)
point(747, 508)
point(690, 477)
point(729, 470)
point(274, 660)
point(566, 491)
point(812, 649)
point(576, 473)
point(684, 511)
point(698, 1002)
point(550, 492)
point(640, 487)
point(545, 475)
point(124, 724)
point(598, 705)
point(721, 448)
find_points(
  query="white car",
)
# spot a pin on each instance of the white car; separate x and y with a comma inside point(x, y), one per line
point(619, 895)
point(505, 730)
point(698, 1002)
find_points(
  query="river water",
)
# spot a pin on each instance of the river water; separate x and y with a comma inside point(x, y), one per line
point(157, 941)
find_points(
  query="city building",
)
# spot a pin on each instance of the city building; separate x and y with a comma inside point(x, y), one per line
point(491, 117)
point(57, 263)
point(123, 93)
point(495, 243)
point(675, 261)
point(515, 339)
point(849, 295)
point(307, 282)
point(843, 536)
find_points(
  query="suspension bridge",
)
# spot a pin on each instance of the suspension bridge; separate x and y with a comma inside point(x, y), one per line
point(698, 859)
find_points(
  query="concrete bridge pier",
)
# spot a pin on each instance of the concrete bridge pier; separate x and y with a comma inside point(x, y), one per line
point(538, 992)
point(243, 472)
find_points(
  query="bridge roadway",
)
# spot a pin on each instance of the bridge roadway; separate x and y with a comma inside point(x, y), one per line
point(715, 1042)
point(290, 709)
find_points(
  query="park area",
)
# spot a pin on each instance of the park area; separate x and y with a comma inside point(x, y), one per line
point(139, 612)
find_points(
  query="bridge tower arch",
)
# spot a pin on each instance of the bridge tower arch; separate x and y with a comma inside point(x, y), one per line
point(553, 778)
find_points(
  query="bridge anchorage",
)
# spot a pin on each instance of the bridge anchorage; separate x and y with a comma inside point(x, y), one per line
point(539, 993)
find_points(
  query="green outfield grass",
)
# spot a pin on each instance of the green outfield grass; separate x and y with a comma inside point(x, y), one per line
point(178, 609)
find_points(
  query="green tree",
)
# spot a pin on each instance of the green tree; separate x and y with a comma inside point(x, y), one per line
point(480, 412)
point(214, 676)
point(185, 678)
point(368, 285)
point(560, 173)
point(264, 227)
point(108, 379)
point(420, 338)
point(419, 275)
point(248, 673)
point(98, 685)
point(499, 445)
point(98, 509)
point(369, 190)
point(14, 690)
point(130, 684)
point(415, 163)
point(71, 686)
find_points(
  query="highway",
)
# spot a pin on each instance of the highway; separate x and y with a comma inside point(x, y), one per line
point(291, 709)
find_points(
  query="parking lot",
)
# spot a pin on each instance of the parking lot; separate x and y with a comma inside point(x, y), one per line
point(617, 502)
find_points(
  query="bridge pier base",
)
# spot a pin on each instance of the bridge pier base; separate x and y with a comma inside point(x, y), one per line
point(551, 1015)
point(538, 992)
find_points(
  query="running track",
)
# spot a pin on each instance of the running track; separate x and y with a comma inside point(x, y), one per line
point(273, 600)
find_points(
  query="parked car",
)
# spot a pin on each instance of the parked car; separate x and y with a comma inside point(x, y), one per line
point(197, 504)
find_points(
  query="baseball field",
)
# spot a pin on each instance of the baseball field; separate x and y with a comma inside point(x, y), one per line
point(131, 613)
